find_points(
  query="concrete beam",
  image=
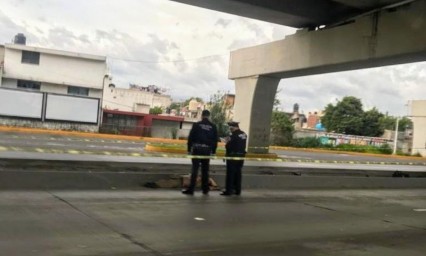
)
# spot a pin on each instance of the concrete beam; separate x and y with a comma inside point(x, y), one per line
point(253, 104)
point(386, 38)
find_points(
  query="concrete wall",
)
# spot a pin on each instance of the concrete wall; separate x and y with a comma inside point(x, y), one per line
point(128, 99)
point(55, 69)
point(418, 113)
point(9, 83)
point(51, 88)
point(1, 63)
point(163, 128)
point(48, 125)
point(2, 50)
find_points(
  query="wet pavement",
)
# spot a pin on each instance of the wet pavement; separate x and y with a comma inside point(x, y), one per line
point(260, 222)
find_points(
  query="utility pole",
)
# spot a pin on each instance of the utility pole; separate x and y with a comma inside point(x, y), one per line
point(395, 142)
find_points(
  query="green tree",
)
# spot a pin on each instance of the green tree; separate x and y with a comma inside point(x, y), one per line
point(282, 129)
point(218, 114)
point(405, 123)
point(372, 125)
point(155, 110)
point(277, 102)
point(345, 117)
point(389, 123)
point(176, 106)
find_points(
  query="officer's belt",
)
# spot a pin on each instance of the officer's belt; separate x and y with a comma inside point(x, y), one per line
point(200, 145)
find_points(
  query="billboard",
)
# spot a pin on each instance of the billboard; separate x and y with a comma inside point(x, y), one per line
point(72, 108)
point(20, 103)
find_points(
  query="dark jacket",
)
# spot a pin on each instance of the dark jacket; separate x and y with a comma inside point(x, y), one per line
point(205, 133)
point(236, 146)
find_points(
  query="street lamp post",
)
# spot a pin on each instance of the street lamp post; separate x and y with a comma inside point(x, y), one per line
point(395, 142)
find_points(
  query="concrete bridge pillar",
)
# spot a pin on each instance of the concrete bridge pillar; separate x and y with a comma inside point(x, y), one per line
point(386, 37)
point(253, 108)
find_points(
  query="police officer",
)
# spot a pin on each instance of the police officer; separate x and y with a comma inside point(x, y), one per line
point(235, 147)
point(202, 141)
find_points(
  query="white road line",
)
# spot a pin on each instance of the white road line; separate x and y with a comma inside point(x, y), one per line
point(419, 210)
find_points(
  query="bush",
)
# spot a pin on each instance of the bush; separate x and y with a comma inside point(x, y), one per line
point(385, 149)
point(308, 142)
point(352, 148)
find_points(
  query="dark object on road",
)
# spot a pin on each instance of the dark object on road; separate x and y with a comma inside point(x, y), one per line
point(150, 185)
point(399, 174)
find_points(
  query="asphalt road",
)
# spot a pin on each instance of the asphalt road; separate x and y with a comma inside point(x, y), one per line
point(52, 142)
point(26, 141)
point(332, 223)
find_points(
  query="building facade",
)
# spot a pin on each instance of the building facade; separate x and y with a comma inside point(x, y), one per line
point(134, 99)
point(418, 116)
point(67, 86)
point(140, 124)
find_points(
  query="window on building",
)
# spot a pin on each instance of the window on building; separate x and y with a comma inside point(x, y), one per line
point(30, 57)
point(31, 85)
point(75, 90)
point(122, 121)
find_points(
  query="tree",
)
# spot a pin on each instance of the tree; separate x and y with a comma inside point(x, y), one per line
point(155, 110)
point(277, 102)
point(176, 106)
point(218, 114)
point(372, 125)
point(405, 123)
point(389, 123)
point(345, 117)
point(282, 129)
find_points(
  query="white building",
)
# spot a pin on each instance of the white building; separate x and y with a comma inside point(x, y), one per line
point(418, 116)
point(54, 71)
point(67, 87)
point(134, 100)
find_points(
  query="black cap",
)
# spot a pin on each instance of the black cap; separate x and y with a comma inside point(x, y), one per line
point(205, 113)
point(233, 124)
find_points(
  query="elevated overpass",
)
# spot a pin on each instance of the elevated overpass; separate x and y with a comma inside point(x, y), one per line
point(297, 14)
point(333, 36)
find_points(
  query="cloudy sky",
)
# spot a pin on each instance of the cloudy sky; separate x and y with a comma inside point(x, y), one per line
point(186, 50)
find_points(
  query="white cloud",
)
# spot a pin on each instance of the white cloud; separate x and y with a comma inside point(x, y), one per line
point(156, 33)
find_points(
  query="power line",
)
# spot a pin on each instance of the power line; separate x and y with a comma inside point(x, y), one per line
point(171, 61)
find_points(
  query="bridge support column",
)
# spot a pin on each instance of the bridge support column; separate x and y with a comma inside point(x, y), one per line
point(253, 108)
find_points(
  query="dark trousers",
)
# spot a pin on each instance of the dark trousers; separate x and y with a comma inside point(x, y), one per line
point(233, 176)
point(204, 174)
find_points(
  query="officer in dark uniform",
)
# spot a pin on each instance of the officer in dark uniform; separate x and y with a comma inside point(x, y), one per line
point(235, 147)
point(202, 141)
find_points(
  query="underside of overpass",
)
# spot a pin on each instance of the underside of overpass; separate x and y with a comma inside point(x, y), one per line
point(333, 35)
point(297, 13)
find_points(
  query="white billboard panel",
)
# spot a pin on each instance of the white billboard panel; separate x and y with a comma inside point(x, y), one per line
point(74, 109)
point(21, 103)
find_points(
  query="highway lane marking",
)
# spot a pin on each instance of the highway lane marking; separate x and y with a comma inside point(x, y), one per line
point(165, 155)
point(419, 210)
point(77, 140)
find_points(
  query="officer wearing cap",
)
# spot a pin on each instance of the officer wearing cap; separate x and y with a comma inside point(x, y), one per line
point(235, 147)
point(202, 141)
